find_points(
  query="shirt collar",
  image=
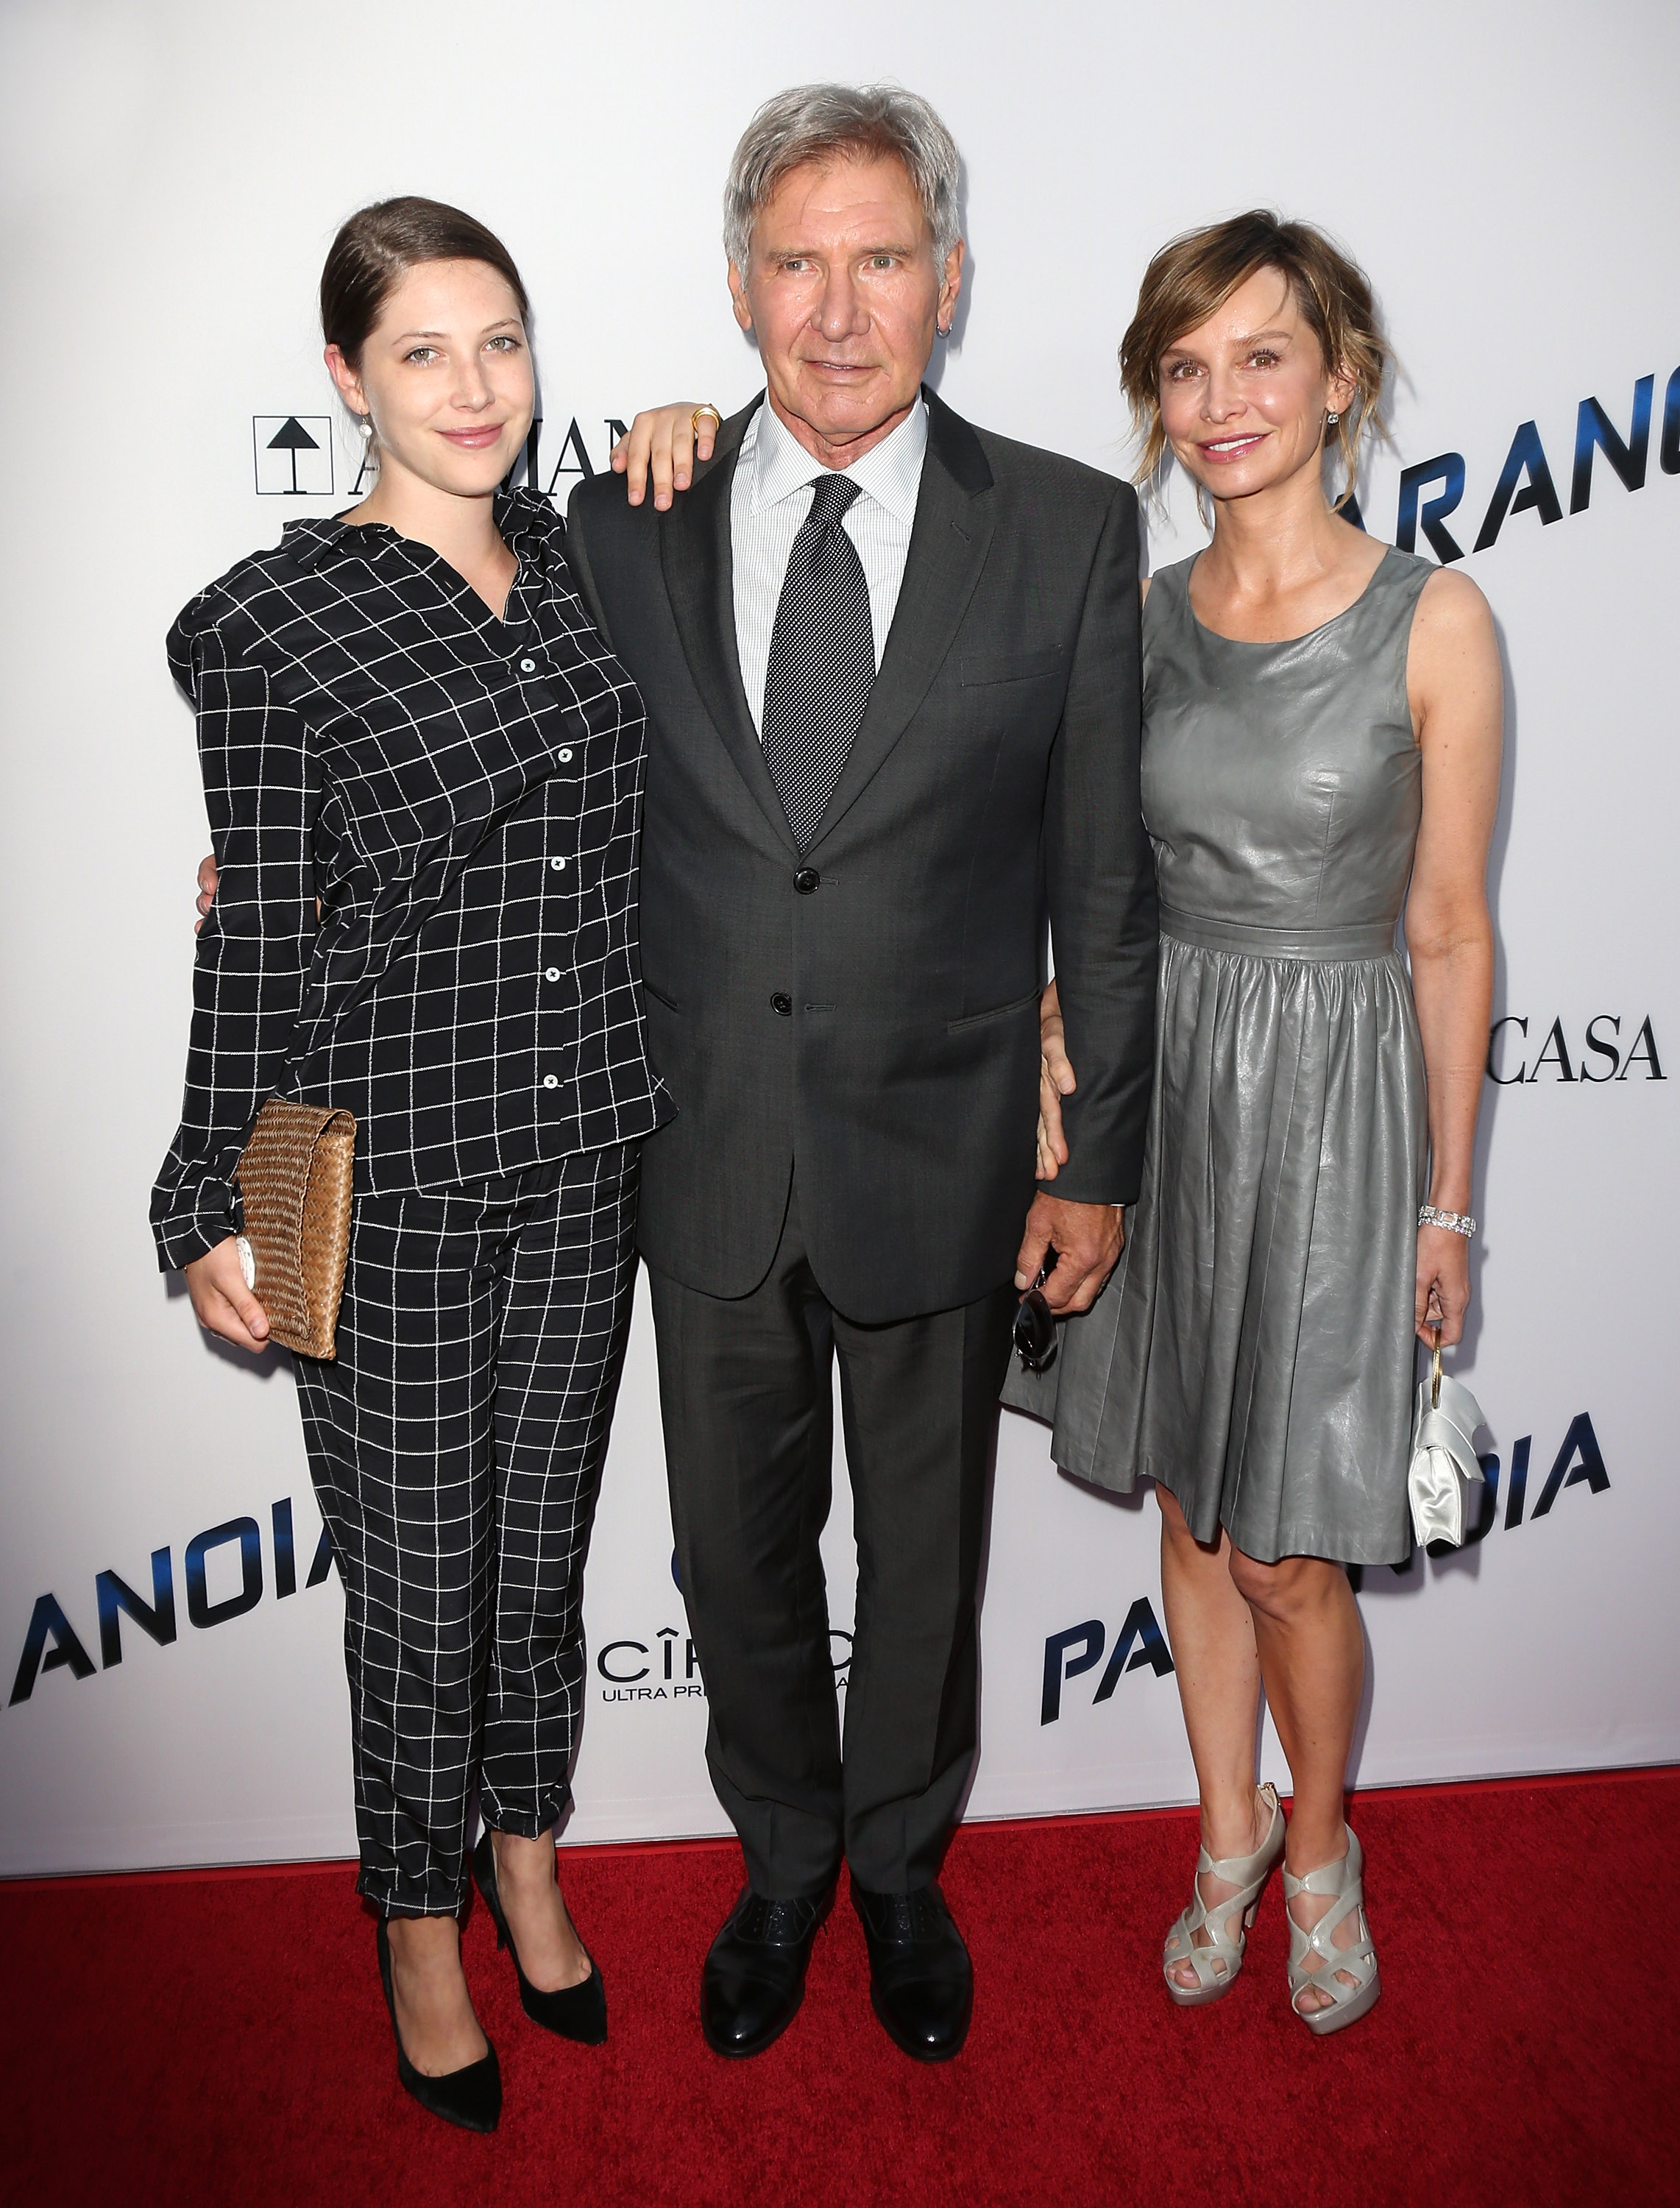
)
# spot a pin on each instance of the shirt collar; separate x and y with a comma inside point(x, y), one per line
point(891, 472)
point(318, 539)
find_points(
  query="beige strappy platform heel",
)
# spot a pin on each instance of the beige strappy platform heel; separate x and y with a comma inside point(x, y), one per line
point(1345, 1880)
point(1217, 1963)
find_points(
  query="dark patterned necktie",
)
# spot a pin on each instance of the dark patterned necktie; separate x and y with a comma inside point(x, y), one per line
point(822, 660)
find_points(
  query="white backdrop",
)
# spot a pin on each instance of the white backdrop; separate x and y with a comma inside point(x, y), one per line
point(172, 176)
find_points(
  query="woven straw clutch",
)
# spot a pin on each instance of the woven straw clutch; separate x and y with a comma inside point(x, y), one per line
point(294, 1178)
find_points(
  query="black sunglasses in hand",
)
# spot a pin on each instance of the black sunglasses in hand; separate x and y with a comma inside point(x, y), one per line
point(1036, 1340)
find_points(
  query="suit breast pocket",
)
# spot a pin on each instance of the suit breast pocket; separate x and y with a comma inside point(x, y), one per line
point(981, 670)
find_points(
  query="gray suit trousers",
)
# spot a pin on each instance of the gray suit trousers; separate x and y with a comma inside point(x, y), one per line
point(746, 1393)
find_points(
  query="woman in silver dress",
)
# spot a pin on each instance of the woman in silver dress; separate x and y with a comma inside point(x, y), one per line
point(1322, 736)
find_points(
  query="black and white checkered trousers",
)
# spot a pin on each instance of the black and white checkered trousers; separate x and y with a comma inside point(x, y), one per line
point(456, 1447)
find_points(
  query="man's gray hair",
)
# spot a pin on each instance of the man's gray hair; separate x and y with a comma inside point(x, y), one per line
point(817, 122)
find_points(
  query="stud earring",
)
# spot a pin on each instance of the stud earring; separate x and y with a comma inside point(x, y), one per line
point(1330, 420)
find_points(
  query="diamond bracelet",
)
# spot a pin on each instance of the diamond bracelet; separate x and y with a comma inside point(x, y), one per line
point(1455, 1222)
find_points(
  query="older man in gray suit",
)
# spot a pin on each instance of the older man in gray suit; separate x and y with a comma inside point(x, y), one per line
point(891, 665)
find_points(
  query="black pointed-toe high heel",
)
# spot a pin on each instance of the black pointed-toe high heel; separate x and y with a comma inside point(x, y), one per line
point(471, 2097)
point(577, 2012)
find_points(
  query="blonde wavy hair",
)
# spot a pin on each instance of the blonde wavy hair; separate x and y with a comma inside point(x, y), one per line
point(1194, 276)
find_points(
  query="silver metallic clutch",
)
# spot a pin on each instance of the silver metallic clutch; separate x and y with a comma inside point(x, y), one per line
point(1444, 1472)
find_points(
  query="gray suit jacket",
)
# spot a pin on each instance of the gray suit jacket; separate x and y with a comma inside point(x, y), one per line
point(881, 1027)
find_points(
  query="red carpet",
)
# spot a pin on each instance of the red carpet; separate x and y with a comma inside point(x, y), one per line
point(221, 2038)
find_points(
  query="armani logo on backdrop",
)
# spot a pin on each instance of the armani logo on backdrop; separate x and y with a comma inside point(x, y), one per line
point(554, 467)
point(294, 455)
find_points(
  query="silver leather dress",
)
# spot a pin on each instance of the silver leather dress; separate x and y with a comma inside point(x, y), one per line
point(1254, 1352)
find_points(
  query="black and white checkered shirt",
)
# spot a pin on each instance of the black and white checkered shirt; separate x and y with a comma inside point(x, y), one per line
point(463, 796)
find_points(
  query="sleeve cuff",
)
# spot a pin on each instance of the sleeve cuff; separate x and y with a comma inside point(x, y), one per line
point(183, 1236)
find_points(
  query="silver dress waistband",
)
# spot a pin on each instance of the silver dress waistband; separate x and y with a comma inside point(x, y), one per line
point(1318, 944)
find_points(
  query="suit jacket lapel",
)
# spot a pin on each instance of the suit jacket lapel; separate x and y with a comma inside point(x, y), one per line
point(694, 547)
point(949, 543)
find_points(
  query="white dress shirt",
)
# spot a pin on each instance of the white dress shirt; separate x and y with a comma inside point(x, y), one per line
point(771, 496)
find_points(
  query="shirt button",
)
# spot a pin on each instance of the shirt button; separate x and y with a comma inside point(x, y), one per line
point(566, 759)
point(551, 1081)
point(559, 864)
point(807, 880)
point(782, 1004)
point(527, 667)
point(553, 974)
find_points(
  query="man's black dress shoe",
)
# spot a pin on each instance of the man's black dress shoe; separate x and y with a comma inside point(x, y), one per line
point(754, 1976)
point(921, 1983)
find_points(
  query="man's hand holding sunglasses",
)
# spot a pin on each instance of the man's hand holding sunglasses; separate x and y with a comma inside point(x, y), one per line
point(1086, 1239)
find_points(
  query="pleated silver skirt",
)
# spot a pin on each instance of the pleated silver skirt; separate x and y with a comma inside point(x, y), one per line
point(1254, 1352)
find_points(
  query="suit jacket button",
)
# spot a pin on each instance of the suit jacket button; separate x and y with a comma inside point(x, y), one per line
point(783, 1005)
point(807, 880)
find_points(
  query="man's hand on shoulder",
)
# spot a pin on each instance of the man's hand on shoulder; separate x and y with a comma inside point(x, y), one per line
point(1086, 1239)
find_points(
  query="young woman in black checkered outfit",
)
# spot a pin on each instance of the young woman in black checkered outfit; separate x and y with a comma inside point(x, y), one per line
point(424, 771)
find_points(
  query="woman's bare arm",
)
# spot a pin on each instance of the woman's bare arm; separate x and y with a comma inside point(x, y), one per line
point(1453, 676)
